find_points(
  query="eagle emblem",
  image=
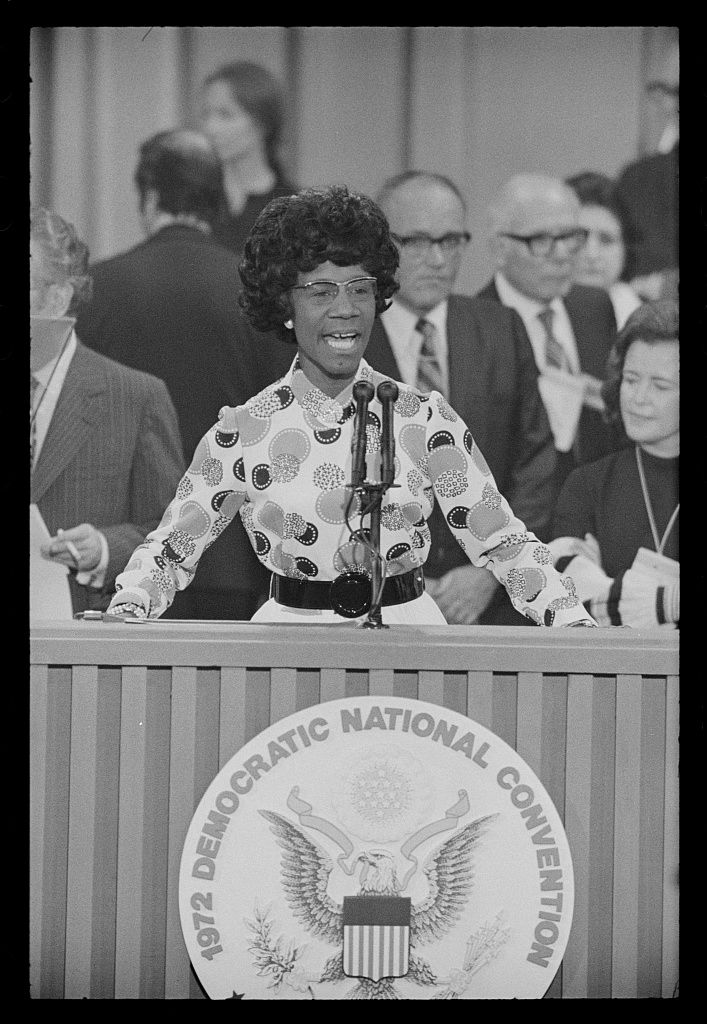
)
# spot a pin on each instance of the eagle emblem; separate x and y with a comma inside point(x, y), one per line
point(378, 932)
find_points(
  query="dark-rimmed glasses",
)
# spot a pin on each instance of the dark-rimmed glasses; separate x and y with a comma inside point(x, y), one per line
point(323, 293)
point(421, 244)
point(544, 244)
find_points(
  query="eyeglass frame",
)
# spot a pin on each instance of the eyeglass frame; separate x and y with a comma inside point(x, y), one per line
point(531, 240)
point(463, 239)
point(339, 285)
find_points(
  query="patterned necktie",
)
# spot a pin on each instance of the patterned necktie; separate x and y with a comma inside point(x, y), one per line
point(554, 352)
point(429, 371)
point(33, 385)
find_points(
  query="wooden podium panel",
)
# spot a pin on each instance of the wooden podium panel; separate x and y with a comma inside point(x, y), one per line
point(130, 722)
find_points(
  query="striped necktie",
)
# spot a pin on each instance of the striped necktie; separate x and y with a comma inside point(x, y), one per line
point(429, 371)
point(33, 385)
point(554, 352)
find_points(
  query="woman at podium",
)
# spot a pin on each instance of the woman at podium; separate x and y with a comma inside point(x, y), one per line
point(318, 267)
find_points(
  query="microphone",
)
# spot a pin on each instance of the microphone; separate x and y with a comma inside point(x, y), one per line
point(387, 396)
point(362, 393)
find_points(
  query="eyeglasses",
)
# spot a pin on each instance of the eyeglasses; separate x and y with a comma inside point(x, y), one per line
point(323, 293)
point(421, 244)
point(544, 244)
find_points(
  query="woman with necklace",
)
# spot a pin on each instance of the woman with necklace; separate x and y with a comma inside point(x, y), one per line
point(616, 520)
point(243, 113)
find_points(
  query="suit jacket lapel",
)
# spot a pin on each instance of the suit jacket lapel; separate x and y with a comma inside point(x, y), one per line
point(75, 415)
point(379, 353)
point(464, 356)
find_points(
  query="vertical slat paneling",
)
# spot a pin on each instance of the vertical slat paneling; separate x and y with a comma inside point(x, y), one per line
point(405, 684)
point(257, 702)
point(601, 838)
point(56, 832)
point(155, 862)
point(40, 841)
point(232, 726)
point(504, 707)
point(283, 693)
point(105, 854)
point(651, 824)
point(131, 838)
point(430, 686)
point(530, 720)
point(671, 851)
point(381, 682)
point(626, 837)
point(181, 808)
point(577, 827)
point(333, 684)
point(82, 831)
point(455, 695)
point(308, 688)
point(479, 697)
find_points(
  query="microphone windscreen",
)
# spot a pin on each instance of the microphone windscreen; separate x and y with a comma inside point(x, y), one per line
point(362, 389)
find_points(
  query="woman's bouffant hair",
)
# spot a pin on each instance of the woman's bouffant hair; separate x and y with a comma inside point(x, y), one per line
point(65, 254)
point(297, 233)
point(651, 322)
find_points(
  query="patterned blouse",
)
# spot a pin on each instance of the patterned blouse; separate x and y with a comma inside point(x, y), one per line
point(283, 461)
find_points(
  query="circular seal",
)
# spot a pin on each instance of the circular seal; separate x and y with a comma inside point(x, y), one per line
point(376, 848)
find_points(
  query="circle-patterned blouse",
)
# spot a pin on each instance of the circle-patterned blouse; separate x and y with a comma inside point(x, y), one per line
point(283, 461)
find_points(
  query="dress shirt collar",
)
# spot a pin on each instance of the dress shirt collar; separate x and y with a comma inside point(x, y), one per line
point(527, 308)
point(53, 373)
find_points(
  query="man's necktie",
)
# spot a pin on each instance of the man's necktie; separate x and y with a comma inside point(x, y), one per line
point(429, 371)
point(554, 352)
point(33, 385)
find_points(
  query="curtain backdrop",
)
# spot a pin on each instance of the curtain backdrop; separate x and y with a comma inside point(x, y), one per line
point(476, 104)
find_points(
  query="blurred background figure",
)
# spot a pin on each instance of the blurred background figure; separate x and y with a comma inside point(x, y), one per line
point(616, 521)
point(647, 191)
point(105, 451)
point(242, 113)
point(475, 352)
point(600, 262)
point(169, 306)
point(535, 243)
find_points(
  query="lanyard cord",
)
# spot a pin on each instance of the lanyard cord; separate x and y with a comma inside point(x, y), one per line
point(659, 544)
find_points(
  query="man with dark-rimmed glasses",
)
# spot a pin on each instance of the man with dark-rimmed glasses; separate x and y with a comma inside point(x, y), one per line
point(478, 355)
point(535, 239)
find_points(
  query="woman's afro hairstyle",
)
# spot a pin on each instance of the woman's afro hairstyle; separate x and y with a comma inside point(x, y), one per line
point(297, 233)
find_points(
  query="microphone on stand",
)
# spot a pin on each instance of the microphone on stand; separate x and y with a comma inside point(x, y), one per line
point(387, 396)
point(362, 393)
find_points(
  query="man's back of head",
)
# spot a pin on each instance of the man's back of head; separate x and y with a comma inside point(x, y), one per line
point(535, 235)
point(427, 217)
point(179, 176)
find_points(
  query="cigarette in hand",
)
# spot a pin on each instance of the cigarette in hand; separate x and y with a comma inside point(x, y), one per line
point(70, 547)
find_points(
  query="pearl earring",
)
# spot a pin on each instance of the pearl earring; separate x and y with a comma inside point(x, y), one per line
point(289, 324)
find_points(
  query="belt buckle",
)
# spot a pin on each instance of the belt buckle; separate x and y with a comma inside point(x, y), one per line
point(351, 594)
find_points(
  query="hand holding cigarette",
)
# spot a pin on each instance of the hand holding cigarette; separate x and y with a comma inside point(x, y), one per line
point(79, 548)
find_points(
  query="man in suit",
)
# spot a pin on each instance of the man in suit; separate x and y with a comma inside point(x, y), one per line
point(534, 243)
point(105, 451)
point(169, 306)
point(477, 353)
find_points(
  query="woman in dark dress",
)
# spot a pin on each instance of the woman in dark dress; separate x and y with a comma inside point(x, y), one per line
point(243, 113)
point(616, 520)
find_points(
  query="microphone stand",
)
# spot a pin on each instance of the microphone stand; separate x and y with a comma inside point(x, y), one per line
point(387, 394)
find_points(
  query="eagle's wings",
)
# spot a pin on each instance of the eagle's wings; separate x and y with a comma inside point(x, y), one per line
point(450, 876)
point(305, 875)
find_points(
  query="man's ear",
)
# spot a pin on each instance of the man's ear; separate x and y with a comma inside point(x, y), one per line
point(59, 299)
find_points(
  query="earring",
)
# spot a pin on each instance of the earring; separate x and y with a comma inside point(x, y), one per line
point(289, 324)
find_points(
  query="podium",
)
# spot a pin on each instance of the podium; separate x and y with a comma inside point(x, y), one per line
point(130, 722)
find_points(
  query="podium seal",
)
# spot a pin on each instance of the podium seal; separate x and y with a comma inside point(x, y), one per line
point(376, 848)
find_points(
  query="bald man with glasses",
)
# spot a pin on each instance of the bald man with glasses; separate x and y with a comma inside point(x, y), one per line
point(478, 355)
point(535, 240)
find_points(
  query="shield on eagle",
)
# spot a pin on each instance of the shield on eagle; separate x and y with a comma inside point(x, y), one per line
point(376, 936)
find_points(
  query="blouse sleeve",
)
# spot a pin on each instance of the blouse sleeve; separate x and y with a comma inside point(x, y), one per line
point(208, 496)
point(486, 527)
